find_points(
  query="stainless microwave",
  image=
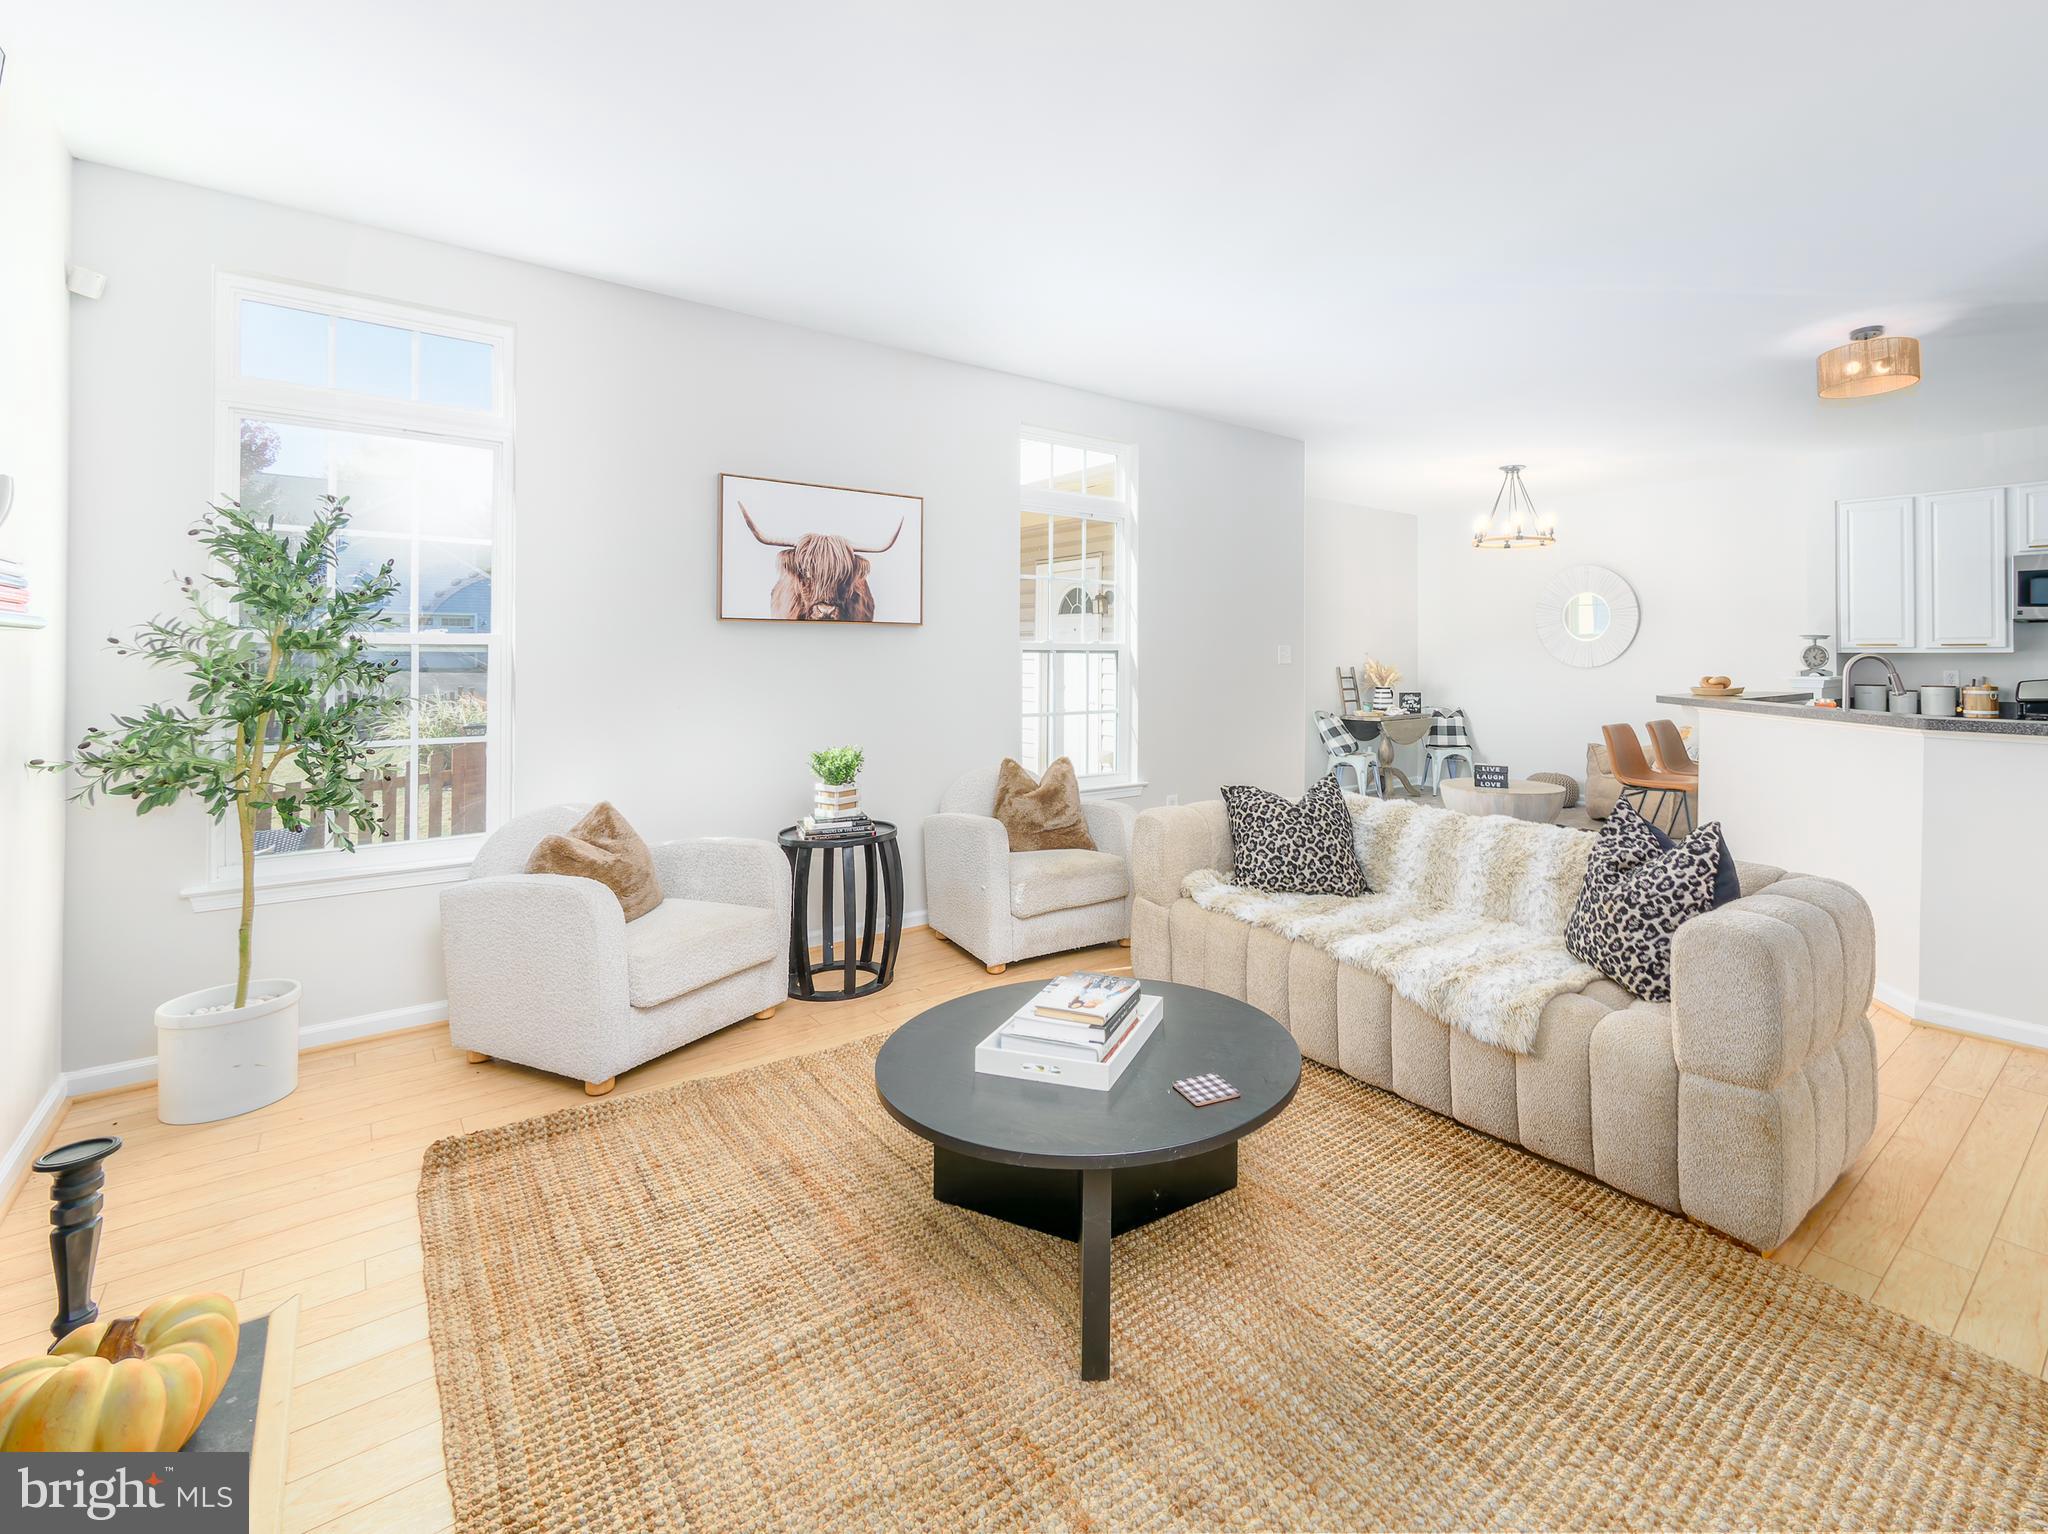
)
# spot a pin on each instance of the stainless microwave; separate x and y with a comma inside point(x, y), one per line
point(2030, 588)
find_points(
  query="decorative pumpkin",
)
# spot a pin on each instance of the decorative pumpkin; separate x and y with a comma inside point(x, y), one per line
point(138, 1384)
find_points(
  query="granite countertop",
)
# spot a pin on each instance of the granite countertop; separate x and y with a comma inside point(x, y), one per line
point(1795, 706)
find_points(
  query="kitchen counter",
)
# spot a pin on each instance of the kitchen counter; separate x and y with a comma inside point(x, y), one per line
point(1925, 818)
point(1794, 706)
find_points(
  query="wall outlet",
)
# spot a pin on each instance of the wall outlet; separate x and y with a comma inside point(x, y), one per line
point(1172, 799)
point(1286, 655)
point(1952, 679)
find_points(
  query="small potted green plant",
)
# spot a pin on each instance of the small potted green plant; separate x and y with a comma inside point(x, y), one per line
point(836, 791)
point(275, 727)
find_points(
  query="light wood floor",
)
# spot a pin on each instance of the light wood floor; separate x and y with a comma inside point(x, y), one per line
point(315, 1196)
point(1944, 1217)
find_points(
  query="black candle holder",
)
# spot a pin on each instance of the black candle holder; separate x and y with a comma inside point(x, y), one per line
point(75, 1226)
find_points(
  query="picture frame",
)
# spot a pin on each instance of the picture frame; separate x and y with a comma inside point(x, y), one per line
point(794, 551)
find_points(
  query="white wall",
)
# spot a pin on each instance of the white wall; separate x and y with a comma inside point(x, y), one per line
point(1731, 569)
point(1361, 602)
point(35, 226)
point(629, 406)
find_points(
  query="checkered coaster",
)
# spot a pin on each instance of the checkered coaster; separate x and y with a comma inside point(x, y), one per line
point(1206, 1090)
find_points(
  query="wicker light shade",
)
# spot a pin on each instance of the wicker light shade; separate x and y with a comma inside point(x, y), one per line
point(1872, 363)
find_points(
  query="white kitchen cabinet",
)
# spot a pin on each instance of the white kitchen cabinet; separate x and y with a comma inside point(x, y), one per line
point(2030, 502)
point(1930, 572)
point(1961, 549)
point(1875, 558)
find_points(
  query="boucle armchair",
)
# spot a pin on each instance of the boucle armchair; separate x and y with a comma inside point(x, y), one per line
point(1738, 1102)
point(1002, 906)
point(545, 971)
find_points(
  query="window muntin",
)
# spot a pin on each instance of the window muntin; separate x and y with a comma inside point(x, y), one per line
point(1073, 609)
point(410, 420)
point(316, 349)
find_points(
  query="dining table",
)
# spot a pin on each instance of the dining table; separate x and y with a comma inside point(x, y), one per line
point(1394, 730)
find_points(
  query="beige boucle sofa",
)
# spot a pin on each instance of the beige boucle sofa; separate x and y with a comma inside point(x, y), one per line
point(1738, 1102)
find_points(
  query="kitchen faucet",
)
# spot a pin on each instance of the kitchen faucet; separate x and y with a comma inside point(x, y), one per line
point(1849, 696)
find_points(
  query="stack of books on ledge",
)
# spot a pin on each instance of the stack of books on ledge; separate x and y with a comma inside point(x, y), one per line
point(13, 586)
point(825, 827)
point(1080, 1031)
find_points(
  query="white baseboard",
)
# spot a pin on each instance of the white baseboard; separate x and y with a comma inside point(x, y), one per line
point(1989, 1025)
point(367, 1025)
point(343, 1030)
point(25, 1145)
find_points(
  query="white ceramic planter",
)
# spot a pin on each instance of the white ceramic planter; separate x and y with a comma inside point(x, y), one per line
point(214, 1065)
point(835, 798)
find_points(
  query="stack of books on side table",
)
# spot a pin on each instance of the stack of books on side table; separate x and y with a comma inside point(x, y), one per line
point(818, 828)
point(1079, 1031)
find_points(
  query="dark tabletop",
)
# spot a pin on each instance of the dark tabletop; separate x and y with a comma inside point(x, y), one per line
point(926, 1077)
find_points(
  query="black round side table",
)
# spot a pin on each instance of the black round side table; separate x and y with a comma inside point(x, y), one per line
point(879, 919)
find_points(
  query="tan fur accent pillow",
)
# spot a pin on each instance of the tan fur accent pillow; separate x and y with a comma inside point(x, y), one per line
point(1045, 815)
point(603, 847)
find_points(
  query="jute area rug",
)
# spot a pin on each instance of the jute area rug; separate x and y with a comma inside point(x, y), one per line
point(734, 1305)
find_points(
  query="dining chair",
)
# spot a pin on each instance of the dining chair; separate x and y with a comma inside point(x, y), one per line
point(1448, 742)
point(1639, 779)
point(1669, 746)
point(1352, 743)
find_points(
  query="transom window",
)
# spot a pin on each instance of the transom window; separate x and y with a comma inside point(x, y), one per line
point(1074, 587)
point(407, 414)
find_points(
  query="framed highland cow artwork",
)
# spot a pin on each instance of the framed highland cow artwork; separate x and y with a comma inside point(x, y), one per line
point(790, 552)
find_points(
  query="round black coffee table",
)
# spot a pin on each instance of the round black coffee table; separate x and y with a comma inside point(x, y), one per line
point(1083, 1165)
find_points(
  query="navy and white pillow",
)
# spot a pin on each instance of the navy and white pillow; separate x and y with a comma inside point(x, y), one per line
point(1640, 888)
point(1298, 849)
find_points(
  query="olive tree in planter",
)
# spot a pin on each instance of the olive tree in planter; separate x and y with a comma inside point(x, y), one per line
point(275, 725)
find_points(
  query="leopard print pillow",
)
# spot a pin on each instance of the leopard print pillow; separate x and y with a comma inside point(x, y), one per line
point(1302, 849)
point(1638, 892)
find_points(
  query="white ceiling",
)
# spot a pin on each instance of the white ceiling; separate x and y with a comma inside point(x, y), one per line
point(1599, 238)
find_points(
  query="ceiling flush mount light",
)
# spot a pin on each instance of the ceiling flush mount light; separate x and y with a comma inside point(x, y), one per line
point(1513, 523)
point(1872, 363)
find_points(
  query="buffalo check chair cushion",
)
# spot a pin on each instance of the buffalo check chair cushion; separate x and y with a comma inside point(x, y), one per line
point(1337, 740)
point(1449, 729)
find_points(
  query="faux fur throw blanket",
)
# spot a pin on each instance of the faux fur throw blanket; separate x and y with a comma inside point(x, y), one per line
point(1466, 918)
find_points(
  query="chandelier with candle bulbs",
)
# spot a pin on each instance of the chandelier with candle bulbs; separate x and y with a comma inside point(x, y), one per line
point(1513, 522)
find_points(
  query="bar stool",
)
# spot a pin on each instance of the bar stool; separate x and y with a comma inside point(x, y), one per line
point(1352, 743)
point(1639, 779)
point(1669, 746)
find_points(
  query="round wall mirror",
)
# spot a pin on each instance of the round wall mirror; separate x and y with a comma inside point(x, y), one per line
point(1587, 615)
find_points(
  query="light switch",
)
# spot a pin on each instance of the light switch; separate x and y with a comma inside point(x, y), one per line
point(1286, 657)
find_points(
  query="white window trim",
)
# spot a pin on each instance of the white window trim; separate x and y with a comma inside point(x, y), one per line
point(1121, 509)
point(333, 871)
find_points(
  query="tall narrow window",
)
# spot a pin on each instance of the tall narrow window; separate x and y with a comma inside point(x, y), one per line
point(1074, 609)
point(407, 414)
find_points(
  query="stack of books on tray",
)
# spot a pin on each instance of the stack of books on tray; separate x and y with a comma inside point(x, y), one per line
point(1080, 1031)
point(825, 827)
